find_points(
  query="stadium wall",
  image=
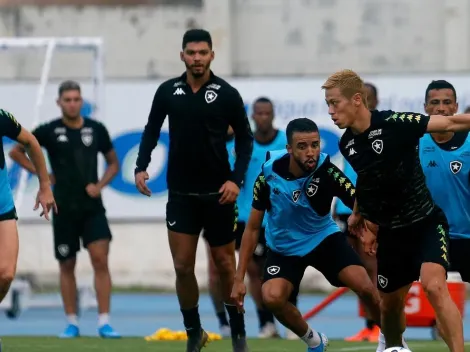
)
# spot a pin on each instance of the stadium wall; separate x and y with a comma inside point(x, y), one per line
point(256, 37)
point(140, 254)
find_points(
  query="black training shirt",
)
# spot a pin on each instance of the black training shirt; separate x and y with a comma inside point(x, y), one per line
point(73, 155)
point(328, 181)
point(391, 188)
point(198, 161)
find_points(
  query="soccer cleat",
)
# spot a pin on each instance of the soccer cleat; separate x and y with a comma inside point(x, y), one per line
point(290, 335)
point(381, 344)
point(107, 332)
point(196, 343)
point(374, 334)
point(239, 344)
point(70, 332)
point(268, 331)
point(322, 347)
point(225, 331)
point(362, 335)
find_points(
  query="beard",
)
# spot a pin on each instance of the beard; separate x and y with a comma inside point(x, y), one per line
point(199, 71)
point(304, 166)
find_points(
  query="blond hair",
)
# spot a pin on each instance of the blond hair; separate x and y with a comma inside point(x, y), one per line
point(349, 84)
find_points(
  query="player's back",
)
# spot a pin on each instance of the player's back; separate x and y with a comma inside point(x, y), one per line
point(258, 157)
point(447, 170)
point(391, 188)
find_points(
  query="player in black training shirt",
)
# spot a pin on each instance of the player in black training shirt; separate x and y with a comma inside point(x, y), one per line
point(202, 188)
point(73, 143)
point(413, 234)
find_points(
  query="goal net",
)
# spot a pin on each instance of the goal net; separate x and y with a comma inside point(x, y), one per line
point(31, 95)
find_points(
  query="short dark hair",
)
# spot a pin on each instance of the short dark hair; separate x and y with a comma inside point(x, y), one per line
point(439, 84)
point(197, 35)
point(372, 87)
point(300, 125)
point(68, 85)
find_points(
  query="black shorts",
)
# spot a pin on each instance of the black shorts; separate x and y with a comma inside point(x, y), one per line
point(460, 257)
point(330, 258)
point(343, 224)
point(260, 250)
point(191, 214)
point(72, 226)
point(402, 251)
point(9, 215)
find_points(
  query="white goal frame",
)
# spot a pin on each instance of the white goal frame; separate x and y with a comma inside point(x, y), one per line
point(50, 45)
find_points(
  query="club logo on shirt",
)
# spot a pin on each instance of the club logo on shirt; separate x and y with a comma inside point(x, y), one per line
point(87, 138)
point(455, 166)
point(210, 96)
point(312, 189)
point(296, 195)
point(378, 146)
point(273, 270)
point(383, 281)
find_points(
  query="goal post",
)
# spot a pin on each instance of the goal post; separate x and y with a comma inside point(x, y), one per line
point(51, 45)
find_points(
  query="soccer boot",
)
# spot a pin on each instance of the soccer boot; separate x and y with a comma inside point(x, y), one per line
point(239, 344)
point(196, 343)
point(374, 334)
point(107, 332)
point(322, 347)
point(70, 332)
point(268, 331)
point(381, 344)
point(362, 335)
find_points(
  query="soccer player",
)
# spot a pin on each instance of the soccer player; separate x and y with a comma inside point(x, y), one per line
point(8, 229)
point(266, 138)
point(73, 143)
point(202, 189)
point(413, 234)
point(445, 158)
point(295, 189)
point(341, 214)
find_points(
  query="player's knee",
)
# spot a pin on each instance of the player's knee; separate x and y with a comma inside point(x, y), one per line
point(7, 274)
point(274, 296)
point(225, 264)
point(434, 290)
point(182, 269)
point(99, 263)
point(68, 266)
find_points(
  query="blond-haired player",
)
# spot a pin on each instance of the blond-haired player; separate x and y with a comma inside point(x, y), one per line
point(413, 236)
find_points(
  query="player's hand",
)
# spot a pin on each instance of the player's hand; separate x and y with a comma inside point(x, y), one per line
point(140, 179)
point(229, 191)
point(369, 241)
point(45, 198)
point(238, 294)
point(356, 224)
point(93, 190)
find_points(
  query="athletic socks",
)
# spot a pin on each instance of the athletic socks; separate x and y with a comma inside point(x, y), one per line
point(222, 319)
point(103, 319)
point(192, 321)
point(311, 338)
point(237, 321)
point(72, 319)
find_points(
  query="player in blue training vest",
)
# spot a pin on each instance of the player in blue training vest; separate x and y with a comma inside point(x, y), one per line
point(11, 129)
point(266, 138)
point(445, 158)
point(295, 189)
